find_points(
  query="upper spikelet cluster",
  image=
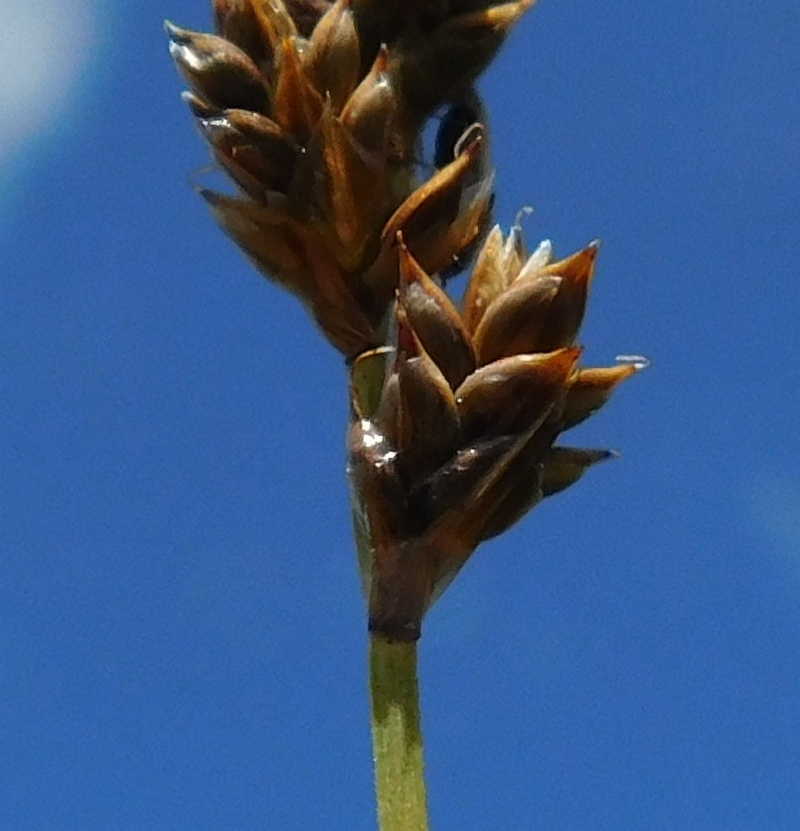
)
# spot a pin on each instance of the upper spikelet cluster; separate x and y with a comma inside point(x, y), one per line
point(314, 109)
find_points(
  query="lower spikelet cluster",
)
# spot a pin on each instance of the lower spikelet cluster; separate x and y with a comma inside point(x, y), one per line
point(454, 426)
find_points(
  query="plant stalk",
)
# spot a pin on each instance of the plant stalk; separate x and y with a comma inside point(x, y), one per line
point(396, 735)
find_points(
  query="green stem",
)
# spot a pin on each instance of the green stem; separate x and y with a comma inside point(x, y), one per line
point(396, 735)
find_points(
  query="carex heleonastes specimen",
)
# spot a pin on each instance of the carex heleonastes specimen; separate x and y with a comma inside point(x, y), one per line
point(460, 442)
point(315, 109)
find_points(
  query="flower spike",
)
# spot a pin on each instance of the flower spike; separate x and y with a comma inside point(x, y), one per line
point(470, 468)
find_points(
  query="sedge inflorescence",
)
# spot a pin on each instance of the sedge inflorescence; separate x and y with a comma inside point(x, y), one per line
point(315, 110)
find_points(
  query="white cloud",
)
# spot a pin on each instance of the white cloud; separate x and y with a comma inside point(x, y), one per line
point(45, 48)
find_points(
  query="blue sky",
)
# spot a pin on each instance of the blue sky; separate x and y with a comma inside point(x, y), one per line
point(181, 629)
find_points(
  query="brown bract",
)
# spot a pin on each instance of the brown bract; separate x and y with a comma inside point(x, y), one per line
point(460, 441)
point(314, 109)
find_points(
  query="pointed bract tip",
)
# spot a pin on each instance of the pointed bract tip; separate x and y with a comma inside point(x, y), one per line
point(176, 34)
point(408, 345)
point(213, 197)
point(410, 269)
point(381, 63)
point(605, 455)
point(200, 108)
point(564, 466)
